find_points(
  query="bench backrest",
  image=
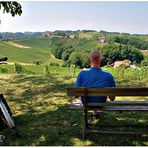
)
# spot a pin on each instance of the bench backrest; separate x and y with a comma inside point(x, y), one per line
point(80, 91)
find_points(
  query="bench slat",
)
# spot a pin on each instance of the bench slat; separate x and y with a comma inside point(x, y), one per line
point(109, 89)
point(73, 91)
point(118, 103)
point(134, 94)
point(79, 106)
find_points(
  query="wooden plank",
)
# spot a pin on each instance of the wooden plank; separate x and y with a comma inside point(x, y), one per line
point(75, 91)
point(109, 89)
point(120, 103)
point(112, 103)
point(134, 94)
point(117, 132)
point(124, 108)
point(79, 106)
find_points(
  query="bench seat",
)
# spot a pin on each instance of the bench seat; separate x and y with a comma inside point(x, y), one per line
point(109, 106)
point(112, 106)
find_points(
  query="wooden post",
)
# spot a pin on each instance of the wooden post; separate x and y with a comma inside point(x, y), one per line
point(85, 115)
point(73, 70)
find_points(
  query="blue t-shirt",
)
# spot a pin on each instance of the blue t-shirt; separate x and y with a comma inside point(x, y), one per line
point(95, 78)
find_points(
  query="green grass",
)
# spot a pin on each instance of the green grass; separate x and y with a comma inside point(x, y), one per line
point(39, 70)
point(36, 42)
point(39, 51)
point(87, 35)
point(72, 42)
point(41, 111)
point(90, 44)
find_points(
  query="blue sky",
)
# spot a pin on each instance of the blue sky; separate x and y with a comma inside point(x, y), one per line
point(119, 16)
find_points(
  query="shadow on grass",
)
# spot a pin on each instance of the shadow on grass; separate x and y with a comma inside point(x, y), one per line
point(42, 115)
point(131, 83)
point(63, 127)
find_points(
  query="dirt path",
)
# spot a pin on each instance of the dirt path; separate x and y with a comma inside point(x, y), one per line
point(17, 45)
point(12, 63)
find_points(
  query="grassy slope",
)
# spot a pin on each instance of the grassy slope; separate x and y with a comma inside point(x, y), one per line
point(145, 52)
point(39, 50)
point(89, 44)
point(38, 42)
point(41, 111)
point(87, 34)
point(84, 42)
point(143, 37)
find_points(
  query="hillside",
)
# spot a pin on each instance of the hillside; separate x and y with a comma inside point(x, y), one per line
point(38, 49)
point(113, 46)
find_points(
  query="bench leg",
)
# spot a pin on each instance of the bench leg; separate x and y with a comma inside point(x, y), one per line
point(84, 134)
point(85, 126)
point(15, 132)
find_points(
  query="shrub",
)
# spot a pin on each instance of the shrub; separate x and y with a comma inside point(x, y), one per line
point(64, 65)
point(144, 62)
point(38, 62)
point(46, 70)
point(54, 64)
point(3, 70)
point(18, 68)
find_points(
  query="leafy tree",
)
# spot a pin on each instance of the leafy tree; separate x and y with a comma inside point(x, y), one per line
point(119, 52)
point(133, 41)
point(66, 53)
point(145, 62)
point(78, 55)
point(12, 7)
point(84, 60)
point(75, 59)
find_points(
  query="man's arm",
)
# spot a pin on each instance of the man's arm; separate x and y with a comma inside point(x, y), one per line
point(78, 82)
point(113, 84)
point(112, 98)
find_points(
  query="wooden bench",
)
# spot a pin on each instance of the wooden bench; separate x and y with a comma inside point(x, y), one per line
point(108, 106)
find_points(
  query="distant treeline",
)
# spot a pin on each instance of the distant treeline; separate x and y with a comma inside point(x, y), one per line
point(18, 35)
point(134, 41)
point(106, 32)
point(79, 57)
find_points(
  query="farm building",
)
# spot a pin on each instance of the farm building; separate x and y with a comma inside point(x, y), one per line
point(73, 36)
point(126, 63)
point(102, 39)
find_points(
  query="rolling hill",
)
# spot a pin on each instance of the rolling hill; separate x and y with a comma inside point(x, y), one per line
point(27, 50)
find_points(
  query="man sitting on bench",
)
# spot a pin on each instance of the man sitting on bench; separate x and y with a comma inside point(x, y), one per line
point(95, 78)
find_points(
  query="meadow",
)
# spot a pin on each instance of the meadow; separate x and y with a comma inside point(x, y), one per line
point(35, 89)
point(28, 50)
point(41, 111)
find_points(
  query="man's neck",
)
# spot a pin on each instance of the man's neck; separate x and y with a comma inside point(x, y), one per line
point(95, 66)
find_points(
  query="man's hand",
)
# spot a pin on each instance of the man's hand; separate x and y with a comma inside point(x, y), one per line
point(112, 98)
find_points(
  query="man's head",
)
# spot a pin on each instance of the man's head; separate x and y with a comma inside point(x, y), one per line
point(95, 58)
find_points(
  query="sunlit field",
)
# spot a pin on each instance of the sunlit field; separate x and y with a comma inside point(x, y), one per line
point(41, 110)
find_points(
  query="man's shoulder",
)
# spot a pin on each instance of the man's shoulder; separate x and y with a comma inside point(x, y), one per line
point(107, 73)
point(85, 70)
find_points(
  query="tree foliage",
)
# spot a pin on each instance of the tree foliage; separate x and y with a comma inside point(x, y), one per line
point(133, 41)
point(117, 53)
point(12, 7)
point(78, 55)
